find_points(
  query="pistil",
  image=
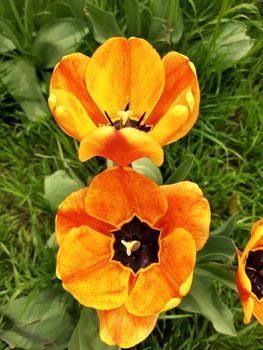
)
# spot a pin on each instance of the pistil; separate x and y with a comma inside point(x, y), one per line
point(124, 117)
point(131, 246)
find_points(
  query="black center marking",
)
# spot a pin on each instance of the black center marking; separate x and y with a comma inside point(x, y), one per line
point(254, 271)
point(146, 254)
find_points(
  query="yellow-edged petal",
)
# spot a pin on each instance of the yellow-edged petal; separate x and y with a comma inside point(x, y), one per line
point(84, 265)
point(188, 209)
point(72, 213)
point(181, 88)
point(123, 71)
point(69, 75)
point(117, 194)
point(162, 281)
point(244, 289)
point(256, 239)
point(70, 114)
point(167, 127)
point(119, 327)
point(121, 146)
point(258, 311)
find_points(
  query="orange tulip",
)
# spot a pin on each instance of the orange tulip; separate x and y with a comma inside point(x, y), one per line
point(249, 276)
point(128, 249)
point(124, 102)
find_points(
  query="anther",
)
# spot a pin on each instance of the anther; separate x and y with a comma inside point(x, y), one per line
point(131, 246)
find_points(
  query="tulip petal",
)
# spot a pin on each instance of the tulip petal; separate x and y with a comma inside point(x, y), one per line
point(244, 289)
point(167, 127)
point(258, 311)
point(70, 114)
point(256, 239)
point(163, 281)
point(123, 71)
point(188, 209)
point(119, 327)
point(86, 271)
point(72, 213)
point(69, 75)
point(181, 88)
point(171, 304)
point(121, 146)
point(117, 194)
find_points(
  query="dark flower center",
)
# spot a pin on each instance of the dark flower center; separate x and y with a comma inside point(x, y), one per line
point(126, 121)
point(136, 245)
point(254, 271)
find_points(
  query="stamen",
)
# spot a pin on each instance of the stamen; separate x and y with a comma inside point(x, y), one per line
point(109, 119)
point(127, 107)
point(131, 246)
point(140, 120)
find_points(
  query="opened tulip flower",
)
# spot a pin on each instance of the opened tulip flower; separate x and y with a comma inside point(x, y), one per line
point(124, 102)
point(250, 275)
point(128, 249)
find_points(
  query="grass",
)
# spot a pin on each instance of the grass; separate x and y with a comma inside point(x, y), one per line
point(226, 143)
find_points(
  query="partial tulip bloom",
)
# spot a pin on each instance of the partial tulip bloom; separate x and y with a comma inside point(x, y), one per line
point(125, 102)
point(249, 276)
point(127, 247)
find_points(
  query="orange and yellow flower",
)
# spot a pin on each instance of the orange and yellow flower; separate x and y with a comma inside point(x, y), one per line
point(124, 102)
point(128, 249)
point(249, 276)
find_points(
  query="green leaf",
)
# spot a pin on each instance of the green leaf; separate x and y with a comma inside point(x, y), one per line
point(77, 7)
point(204, 299)
point(57, 39)
point(132, 8)
point(181, 172)
point(217, 248)
point(170, 11)
point(225, 274)
point(148, 168)
point(22, 83)
point(6, 44)
point(227, 228)
point(8, 31)
point(58, 186)
point(103, 23)
point(230, 46)
point(38, 321)
point(86, 333)
point(159, 31)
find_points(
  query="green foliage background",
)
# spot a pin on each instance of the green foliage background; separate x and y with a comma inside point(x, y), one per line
point(225, 41)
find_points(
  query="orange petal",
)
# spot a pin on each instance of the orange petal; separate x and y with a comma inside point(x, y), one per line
point(256, 239)
point(86, 271)
point(188, 209)
point(119, 327)
point(70, 114)
point(181, 87)
point(123, 71)
point(117, 194)
point(244, 289)
point(72, 213)
point(258, 311)
point(171, 304)
point(69, 75)
point(121, 146)
point(159, 283)
point(167, 127)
